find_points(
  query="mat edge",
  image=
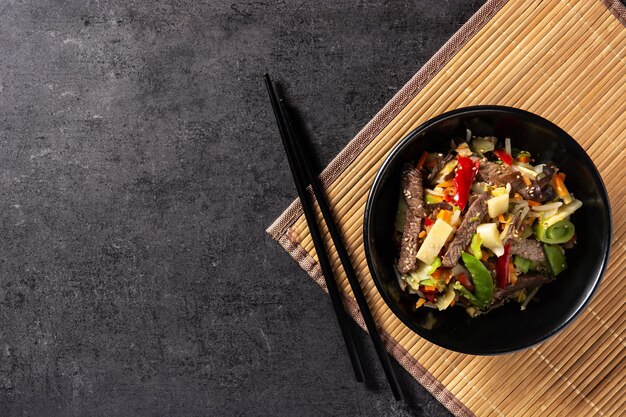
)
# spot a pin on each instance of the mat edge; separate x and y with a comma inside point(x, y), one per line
point(395, 349)
point(617, 8)
point(365, 136)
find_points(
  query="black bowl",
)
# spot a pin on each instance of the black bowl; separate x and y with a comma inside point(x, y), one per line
point(508, 328)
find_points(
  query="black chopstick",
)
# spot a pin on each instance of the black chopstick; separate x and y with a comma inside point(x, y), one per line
point(301, 164)
point(344, 258)
point(318, 242)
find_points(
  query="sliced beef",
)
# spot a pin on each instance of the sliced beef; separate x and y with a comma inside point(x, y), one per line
point(512, 230)
point(413, 191)
point(491, 172)
point(541, 189)
point(535, 193)
point(440, 205)
point(463, 235)
point(523, 282)
point(529, 249)
point(497, 174)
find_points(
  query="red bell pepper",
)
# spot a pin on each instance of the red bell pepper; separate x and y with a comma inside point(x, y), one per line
point(465, 281)
point(464, 174)
point(502, 267)
point(504, 157)
point(430, 295)
point(428, 221)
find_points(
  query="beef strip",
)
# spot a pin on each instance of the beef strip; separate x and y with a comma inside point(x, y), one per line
point(529, 249)
point(523, 282)
point(491, 172)
point(413, 191)
point(512, 230)
point(463, 235)
point(496, 174)
point(440, 205)
point(535, 193)
point(541, 189)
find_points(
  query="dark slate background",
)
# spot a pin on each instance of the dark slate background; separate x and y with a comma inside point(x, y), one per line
point(139, 168)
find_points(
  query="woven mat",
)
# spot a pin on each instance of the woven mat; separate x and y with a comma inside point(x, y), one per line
point(566, 61)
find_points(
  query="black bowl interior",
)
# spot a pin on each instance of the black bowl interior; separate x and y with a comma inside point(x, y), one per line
point(506, 329)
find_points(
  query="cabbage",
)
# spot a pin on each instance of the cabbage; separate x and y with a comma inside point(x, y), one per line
point(445, 171)
point(562, 213)
point(463, 149)
point(444, 300)
point(484, 144)
point(421, 276)
point(498, 205)
point(489, 234)
point(524, 169)
point(434, 241)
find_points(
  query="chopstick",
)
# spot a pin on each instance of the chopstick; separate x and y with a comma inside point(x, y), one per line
point(309, 214)
point(300, 163)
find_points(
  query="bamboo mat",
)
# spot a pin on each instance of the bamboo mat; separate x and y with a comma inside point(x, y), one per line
point(566, 61)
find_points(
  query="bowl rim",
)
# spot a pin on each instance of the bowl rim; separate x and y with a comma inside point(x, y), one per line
point(399, 147)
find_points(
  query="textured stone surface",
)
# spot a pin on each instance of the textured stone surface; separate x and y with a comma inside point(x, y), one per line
point(139, 168)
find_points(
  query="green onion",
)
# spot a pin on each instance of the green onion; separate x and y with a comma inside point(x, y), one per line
point(522, 264)
point(555, 258)
point(483, 283)
point(431, 199)
point(559, 232)
point(475, 246)
point(433, 267)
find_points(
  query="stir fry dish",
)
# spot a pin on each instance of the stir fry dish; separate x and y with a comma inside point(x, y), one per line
point(481, 226)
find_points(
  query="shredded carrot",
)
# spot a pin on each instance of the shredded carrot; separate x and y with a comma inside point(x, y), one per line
point(518, 196)
point(436, 274)
point(501, 218)
point(526, 180)
point(422, 234)
point(445, 184)
point(561, 189)
point(420, 162)
point(533, 203)
point(452, 303)
point(420, 303)
point(448, 276)
point(485, 256)
point(512, 273)
point(523, 158)
point(562, 175)
point(429, 288)
point(445, 215)
point(558, 184)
